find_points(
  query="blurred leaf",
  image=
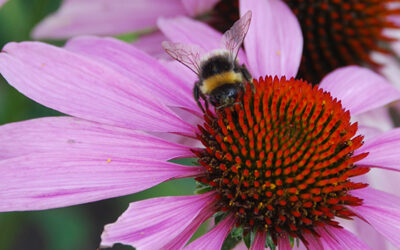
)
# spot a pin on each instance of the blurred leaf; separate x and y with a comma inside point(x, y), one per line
point(127, 37)
point(64, 228)
point(10, 223)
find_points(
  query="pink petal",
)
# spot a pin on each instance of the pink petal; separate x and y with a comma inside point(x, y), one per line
point(143, 70)
point(382, 211)
point(284, 243)
point(180, 241)
point(274, 42)
point(188, 31)
point(259, 241)
point(82, 87)
point(313, 241)
point(104, 17)
point(155, 223)
point(62, 134)
point(151, 44)
point(215, 238)
point(50, 180)
point(383, 180)
point(197, 7)
point(184, 73)
point(359, 89)
point(384, 151)
point(369, 235)
point(337, 238)
point(377, 118)
point(390, 66)
point(368, 132)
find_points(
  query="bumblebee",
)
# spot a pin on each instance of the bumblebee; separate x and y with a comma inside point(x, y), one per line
point(221, 78)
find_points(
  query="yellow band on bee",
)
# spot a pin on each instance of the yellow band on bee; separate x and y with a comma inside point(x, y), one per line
point(216, 81)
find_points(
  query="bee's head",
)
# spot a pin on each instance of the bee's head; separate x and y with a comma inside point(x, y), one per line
point(224, 95)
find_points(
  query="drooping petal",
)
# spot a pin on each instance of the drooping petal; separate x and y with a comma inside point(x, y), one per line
point(82, 87)
point(359, 89)
point(50, 180)
point(383, 180)
point(274, 42)
point(313, 242)
point(188, 31)
point(377, 118)
point(368, 132)
point(104, 17)
point(151, 44)
point(180, 241)
point(284, 243)
point(369, 235)
point(144, 71)
point(198, 7)
point(68, 134)
point(215, 238)
point(155, 223)
point(384, 150)
point(259, 241)
point(382, 211)
point(390, 66)
point(339, 238)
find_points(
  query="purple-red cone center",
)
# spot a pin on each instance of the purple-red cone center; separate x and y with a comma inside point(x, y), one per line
point(336, 32)
point(281, 160)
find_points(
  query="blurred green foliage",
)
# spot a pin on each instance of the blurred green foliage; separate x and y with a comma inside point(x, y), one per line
point(77, 227)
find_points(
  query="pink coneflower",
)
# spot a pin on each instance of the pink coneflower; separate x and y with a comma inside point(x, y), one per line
point(281, 164)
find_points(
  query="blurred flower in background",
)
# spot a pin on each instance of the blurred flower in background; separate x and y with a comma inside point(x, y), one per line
point(103, 17)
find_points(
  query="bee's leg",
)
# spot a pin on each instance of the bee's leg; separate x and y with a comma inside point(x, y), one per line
point(205, 99)
point(196, 95)
point(245, 72)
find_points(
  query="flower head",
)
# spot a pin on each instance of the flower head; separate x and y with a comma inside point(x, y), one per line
point(340, 33)
point(282, 160)
point(280, 163)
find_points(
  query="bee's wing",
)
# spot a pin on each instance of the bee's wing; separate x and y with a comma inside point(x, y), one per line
point(233, 38)
point(188, 55)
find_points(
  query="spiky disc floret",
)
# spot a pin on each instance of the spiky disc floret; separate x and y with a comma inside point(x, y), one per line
point(281, 159)
point(341, 32)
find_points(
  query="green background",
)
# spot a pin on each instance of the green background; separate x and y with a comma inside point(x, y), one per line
point(77, 227)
